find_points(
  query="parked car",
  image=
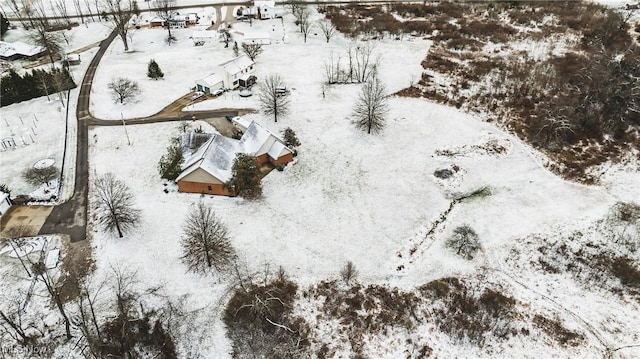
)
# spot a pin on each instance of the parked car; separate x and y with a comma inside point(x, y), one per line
point(196, 95)
point(245, 92)
point(218, 92)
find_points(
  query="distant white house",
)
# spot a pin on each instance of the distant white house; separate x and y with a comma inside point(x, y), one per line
point(179, 21)
point(228, 75)
point(262, 10)
point(18, 50)
point(267, 10)
point(5, 203)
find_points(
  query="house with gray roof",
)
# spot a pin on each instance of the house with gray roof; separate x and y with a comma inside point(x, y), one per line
point(18, 50)
point(209, 167)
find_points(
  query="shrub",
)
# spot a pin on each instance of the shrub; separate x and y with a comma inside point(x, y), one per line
point(624, 270)
point(557, 331)
point(464, 242)
point(170, 164)
point(443, 173)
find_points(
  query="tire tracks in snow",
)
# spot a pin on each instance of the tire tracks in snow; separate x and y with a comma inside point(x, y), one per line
point(587, 327)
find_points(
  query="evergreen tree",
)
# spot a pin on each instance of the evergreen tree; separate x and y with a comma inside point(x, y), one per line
point(245, 180)
point(236, 50)
point(170, 164)
point(154, 71)
point(4, 24)
point(15, 88)
point(290, 138)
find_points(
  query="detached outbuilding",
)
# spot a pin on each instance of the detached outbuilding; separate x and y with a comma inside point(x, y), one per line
point(256, 37)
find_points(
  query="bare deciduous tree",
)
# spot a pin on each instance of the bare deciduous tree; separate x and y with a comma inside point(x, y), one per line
point(85, 319)
point(371, 106)
point(205, 244)
point(17, 238)
point(304, 22)
point(464, 242)
point(252, 50)
point(120, 13)
point(165, 9)
point(114, 204)
point(13, 322)
point(348, 272)
point(123, 89)
point(363, 62)
point(327, 28)
point(333, 69)
point(77, 5)
point(273, 101)
point(40, 270)
point(37, 176)
point(61, 7)
point(51, 41)
point(87, 4)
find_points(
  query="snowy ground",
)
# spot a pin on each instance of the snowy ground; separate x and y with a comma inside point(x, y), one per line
point(349, 197)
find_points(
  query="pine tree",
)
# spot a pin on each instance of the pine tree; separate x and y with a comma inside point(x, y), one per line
point(4, 24)
point(245, 180)
point(290, 138)
point(236, 50)
point(170, 164)
point(154, 71)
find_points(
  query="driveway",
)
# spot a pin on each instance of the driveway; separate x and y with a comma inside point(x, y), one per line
point(31, 218)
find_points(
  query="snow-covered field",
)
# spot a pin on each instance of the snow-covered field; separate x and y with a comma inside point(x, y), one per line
point(369, 199)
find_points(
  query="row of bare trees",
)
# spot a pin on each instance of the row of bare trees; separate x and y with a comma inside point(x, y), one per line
point(359, 64)
point(302, 13)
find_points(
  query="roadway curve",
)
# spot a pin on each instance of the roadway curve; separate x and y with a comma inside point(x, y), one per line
point(70, 217)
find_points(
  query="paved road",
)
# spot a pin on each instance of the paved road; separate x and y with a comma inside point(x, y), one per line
point(71, 217)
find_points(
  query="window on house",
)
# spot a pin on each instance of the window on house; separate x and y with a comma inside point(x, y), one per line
point(209, 188)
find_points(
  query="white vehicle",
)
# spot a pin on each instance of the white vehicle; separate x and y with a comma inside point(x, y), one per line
point(196, 95)
point(218, 92)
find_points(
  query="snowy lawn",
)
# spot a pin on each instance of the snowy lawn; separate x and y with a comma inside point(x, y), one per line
point(351, 196)
point(369, 199)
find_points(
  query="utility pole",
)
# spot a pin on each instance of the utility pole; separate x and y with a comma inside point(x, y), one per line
point(125, 129)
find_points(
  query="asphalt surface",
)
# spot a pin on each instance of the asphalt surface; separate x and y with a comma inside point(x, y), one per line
point(71, 217)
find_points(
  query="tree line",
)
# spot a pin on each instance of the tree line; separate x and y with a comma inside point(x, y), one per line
point(17, 88)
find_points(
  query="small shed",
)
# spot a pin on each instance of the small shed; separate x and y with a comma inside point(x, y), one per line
point(203, 36)
point(157, 22)
point(257, 37)
point(71, 60)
